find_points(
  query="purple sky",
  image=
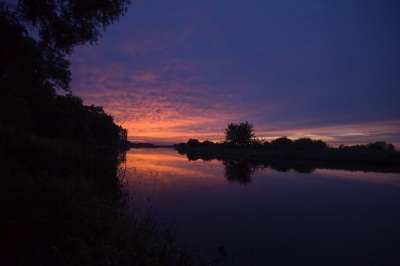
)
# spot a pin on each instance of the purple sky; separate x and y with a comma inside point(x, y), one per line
point(171, 70)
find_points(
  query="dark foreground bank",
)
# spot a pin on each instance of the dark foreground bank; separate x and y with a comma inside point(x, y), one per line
point(61, 204)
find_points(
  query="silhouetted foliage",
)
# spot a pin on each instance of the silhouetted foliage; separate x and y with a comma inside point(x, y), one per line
point(381, 146)
point(267, 145)
point(32, 69)
point(282, 143)
point(303, 155)
point(181, 144)
point(63, 24)
point(239, 135)
point(193, 143)
point(29, 75)
point(376, 146)
point(257, 143)
point(307, 143)
point(207, 143)
point(142, 145)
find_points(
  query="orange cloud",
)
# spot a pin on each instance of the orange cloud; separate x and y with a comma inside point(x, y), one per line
point(153, 105)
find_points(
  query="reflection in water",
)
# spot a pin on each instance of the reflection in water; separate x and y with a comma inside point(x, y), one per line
point(279, 218)
point(122, 157)
point(239, 171)
point(286, 164)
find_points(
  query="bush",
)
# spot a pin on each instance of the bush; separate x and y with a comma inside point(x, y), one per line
point(381, 146)
point(267, 145)
point(193, 143)
point(282, 143)
point(308, 144)
point(257, 143)
point(207, 143)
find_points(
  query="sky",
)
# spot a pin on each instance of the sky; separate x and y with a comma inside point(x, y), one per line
point(173, 70)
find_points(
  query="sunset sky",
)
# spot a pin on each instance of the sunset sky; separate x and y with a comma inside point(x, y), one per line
point(173, 70)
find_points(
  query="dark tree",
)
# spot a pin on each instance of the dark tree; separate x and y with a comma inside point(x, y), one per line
point(239, 135)
point(32, 69)
point(282, 143)
point(193, 143)
point(381, 146)
point(29, 74)
point(207, 143)
point(307, 144)
point(63, 24)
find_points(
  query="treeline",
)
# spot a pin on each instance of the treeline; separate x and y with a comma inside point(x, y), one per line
point(241, 135)
point(376, 146)
point(302, 155)
point(284, 143)
point(242, 144)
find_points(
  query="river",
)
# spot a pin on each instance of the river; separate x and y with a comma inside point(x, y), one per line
point(259, 216)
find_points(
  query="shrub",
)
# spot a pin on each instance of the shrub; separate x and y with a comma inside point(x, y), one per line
point(193, 143)
point(307, 143)
point(282, 143)
point(267, 145)
point(381, 146)
point(207, 143)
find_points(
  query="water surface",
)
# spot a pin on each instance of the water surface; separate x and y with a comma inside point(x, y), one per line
point(328, 217)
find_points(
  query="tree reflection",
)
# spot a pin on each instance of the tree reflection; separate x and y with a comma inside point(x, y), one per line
point(239, 171)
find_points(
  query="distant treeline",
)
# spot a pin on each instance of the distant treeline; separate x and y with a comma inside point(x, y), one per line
point(302, 155)
point(241, 135)
point(142, 145)
point(147, 145)
point(284, 143)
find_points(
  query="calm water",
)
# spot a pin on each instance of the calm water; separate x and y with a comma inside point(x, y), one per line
point(328, 217)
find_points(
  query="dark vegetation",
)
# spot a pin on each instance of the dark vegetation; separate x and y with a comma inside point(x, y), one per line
point(239, 135)
point(62, 195)
point(283, 154)
point(147, 145)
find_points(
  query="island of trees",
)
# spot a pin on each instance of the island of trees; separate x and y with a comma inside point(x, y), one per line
point(241, 144)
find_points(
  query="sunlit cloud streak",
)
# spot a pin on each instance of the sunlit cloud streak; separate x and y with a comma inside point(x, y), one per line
point(171, 71)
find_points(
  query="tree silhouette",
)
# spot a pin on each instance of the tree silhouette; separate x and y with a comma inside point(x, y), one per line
point(307, 143)
point(239, 135)
point(63, 24)
point(282, 143)
point(32, 69)
point(29, 74)
point(193, 143)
